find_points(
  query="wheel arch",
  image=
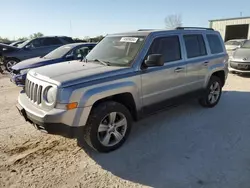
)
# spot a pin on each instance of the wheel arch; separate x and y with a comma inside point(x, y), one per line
point(125, 93)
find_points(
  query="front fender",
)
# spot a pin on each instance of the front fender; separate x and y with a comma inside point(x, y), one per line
point(95, 94)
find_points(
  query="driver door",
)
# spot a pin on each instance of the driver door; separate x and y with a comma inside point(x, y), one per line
point(160, 84)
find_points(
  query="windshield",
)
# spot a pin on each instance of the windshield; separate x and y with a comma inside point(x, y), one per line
point(24, 43)
point(246, 44)
point(58, 53)
point(117, 50)
point(234, 43)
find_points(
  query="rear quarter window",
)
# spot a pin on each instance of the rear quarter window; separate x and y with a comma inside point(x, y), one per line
point(215, 44)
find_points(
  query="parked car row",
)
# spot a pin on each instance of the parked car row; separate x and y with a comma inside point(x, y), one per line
point(67, 52)
point(239, 55)
point(125, 77)
point(31, 48)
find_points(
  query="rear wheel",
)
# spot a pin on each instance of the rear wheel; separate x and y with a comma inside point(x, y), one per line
point(108, 126)
point(212, 93)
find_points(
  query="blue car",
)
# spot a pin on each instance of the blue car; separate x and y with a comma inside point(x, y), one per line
point(67, 52)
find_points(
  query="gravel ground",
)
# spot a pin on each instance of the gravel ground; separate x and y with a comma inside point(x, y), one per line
point(188, 147)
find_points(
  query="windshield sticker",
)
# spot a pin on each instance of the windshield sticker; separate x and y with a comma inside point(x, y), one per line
point(129, 39)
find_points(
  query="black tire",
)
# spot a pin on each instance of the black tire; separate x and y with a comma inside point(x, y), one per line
point(7, 61)
point(204, 100)
point(96, 116)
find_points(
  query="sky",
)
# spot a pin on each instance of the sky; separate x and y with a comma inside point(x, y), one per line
point(80, 18)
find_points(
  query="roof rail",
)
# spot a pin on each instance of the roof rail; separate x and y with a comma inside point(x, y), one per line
point(200, 28)
point(145, 29)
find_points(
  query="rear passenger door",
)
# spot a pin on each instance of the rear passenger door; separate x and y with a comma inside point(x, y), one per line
point(162, 83)
point(197, 61)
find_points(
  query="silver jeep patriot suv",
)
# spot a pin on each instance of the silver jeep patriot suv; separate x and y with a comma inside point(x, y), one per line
point(125, 77)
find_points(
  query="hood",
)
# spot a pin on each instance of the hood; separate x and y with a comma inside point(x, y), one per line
point(6, 48)
point(75, 72)
point(242, 53)
point(231, 47)
point(33, 63)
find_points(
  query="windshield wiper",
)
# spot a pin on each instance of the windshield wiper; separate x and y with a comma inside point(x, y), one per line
point(102, 62)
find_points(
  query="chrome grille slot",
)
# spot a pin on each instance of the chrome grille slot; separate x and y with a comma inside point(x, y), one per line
point(39, 97)
point(34, 91)
point(31, 91)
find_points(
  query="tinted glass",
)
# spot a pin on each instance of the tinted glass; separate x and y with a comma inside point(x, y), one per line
point(81, 52)
point(58, 53)
point(195, 46)
point(215, 44)
point(169, 47)
point(36, 43)
point(68, 39)
point(51, 41)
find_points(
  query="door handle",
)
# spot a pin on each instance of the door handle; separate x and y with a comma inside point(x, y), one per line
point(205, 63)
point(179, 69)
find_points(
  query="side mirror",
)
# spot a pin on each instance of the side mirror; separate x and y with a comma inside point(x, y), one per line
point(154, 60)
point(69, 56)
point(27, 47)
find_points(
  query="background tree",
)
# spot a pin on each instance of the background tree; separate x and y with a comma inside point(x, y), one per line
point(36, 35)
point(172, 21)
point(4, 40)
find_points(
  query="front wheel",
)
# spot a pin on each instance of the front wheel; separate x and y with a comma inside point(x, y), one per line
point(108, 126)
point(212, 93)
point(10, 63)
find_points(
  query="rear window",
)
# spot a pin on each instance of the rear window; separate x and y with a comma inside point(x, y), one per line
point(214, 44)
point(195, 46)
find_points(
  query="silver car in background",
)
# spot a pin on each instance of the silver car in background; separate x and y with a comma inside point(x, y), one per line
point(232, 45)
point(240, 60)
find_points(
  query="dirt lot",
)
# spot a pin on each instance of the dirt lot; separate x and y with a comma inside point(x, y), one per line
point(188, 146)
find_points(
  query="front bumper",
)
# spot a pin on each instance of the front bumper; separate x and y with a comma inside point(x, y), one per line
point(18, 79)
point(51, 128)
point(236, 70)
point(234, 66)
point(56, 121)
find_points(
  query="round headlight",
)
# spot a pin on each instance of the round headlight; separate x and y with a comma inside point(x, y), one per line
point(50, 94)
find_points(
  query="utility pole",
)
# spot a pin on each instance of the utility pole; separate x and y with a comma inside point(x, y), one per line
point(240, 14)
point(70, 28)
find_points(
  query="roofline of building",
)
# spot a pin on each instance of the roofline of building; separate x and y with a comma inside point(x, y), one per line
point(236, 18)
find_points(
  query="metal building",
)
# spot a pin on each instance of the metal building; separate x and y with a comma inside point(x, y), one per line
point(232, 28)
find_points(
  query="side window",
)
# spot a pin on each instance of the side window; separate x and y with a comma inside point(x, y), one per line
point(67, 39)
point(81, 52)
point(169, 47)
point(51, 41)
point(214, 44)
point(195, 46)
point(36, 43)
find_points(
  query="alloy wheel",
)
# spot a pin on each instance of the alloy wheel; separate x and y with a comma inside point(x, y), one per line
point(112, 129)
point(214, 93)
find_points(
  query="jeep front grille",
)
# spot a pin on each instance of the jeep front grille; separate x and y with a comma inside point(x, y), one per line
point(33, 91)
